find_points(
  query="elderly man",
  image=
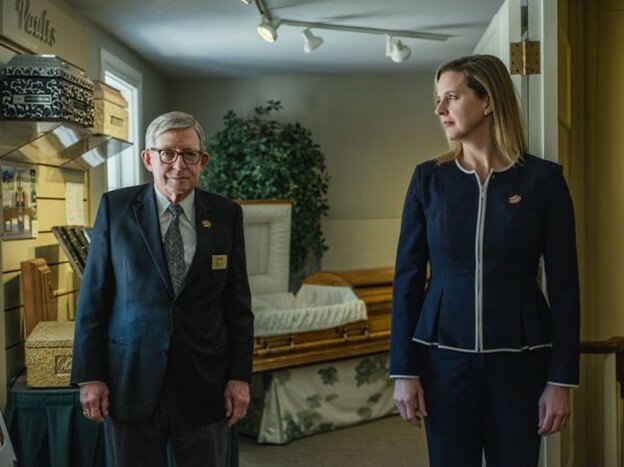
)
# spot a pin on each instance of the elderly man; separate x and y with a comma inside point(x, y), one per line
point(164, 328)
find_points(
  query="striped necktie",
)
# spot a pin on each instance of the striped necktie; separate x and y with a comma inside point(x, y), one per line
point(174, 248)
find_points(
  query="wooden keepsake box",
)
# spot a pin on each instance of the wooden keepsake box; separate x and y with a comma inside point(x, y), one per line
point(111, 112)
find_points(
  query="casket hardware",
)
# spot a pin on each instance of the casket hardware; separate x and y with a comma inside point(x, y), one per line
point(317, 346)
point(292, 342)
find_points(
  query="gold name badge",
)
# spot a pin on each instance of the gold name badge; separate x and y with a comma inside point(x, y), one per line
point(219, 262)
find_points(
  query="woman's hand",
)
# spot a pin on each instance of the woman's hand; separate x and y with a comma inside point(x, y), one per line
point(409, 398)
point(554, 409)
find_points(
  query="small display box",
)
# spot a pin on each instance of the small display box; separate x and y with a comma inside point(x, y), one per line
point(111, 112)
point(49, 354)
point(46, 88)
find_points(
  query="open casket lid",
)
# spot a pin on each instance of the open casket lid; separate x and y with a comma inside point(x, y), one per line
point(267, 226)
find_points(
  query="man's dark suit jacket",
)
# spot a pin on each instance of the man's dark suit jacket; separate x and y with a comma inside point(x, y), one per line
point(130, 327)
point(484, 247)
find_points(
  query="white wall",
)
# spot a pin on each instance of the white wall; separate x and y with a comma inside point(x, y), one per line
point(372, 129)
point(154, 97)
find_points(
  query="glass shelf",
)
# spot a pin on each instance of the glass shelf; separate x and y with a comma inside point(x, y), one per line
point(56, 143)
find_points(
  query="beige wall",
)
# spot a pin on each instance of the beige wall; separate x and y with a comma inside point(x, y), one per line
point(51, 192)
point(601, 40)
point(608, 161)
point(373, 130)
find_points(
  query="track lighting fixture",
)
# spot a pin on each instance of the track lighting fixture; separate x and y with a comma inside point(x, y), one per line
point(389, 44)
point(268, 29)
point(400, 52)
point(395, 49)
point(311, 41)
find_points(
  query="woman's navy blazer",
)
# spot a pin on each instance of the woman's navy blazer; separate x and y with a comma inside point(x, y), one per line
point(483, 242)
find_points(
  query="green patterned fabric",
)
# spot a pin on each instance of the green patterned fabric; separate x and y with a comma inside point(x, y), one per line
point(291, 404)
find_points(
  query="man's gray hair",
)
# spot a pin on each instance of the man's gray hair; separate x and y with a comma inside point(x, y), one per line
point(172, 121)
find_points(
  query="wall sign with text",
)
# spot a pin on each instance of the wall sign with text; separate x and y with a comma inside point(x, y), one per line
point(45, 28)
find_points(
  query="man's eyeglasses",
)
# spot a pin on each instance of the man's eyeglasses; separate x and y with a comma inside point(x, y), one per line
point(169, 156)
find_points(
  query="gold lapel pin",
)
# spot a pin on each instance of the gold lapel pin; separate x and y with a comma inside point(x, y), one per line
point(515, 199)
point(206, 223)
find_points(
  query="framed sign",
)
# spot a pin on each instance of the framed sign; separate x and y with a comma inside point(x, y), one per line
point(19, 201)
point(45, 27)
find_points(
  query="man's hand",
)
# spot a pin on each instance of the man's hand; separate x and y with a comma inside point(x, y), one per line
point(554, 409)
point(94, 400)
point(236, 400)
point(409, 398)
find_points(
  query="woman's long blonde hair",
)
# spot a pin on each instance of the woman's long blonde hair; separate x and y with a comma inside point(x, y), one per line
point(487, 76)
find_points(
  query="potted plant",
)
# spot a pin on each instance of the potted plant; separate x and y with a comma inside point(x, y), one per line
point(261, 158)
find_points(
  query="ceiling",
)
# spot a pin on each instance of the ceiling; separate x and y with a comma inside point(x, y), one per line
point(210, 38)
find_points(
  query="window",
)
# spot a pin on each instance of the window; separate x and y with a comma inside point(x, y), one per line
point(124, 168)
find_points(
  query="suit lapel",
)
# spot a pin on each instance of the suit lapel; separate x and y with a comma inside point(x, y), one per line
point(204, 227)
point(146, 215)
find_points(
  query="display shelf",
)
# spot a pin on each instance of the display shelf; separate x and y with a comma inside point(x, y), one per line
point(96, 149)
point(57, 144)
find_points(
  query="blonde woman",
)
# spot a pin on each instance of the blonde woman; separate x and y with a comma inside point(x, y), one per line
point(481, 352)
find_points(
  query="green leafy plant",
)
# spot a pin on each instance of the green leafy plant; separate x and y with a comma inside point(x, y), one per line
point(261, 158)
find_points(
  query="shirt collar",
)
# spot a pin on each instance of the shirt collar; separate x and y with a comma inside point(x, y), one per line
point(162, 203)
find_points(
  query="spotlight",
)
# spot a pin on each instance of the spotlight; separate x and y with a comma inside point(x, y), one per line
point(396, 50)
point(400, 52)
point(311, 42)
point(268, 29)
point(247, 2)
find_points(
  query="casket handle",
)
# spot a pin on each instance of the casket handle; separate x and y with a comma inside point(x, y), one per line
point(267, 347)
point(292, 342)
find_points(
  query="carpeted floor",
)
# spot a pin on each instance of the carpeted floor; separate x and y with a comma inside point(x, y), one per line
point(387, 442)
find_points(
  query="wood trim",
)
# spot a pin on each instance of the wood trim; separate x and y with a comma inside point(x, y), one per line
point(614, 345)
point(353, 278)
point(332, 352)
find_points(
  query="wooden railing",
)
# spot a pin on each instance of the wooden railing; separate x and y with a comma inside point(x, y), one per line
point(615, 345)
point(612, 374)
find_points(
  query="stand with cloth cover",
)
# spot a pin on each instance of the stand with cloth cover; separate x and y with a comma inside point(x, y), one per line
point(48, 430)
point(320, 355)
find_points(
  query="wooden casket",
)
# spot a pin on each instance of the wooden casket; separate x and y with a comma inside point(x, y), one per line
point(334, 315)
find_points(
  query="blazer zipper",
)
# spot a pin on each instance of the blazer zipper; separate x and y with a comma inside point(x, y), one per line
point(479, 260)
